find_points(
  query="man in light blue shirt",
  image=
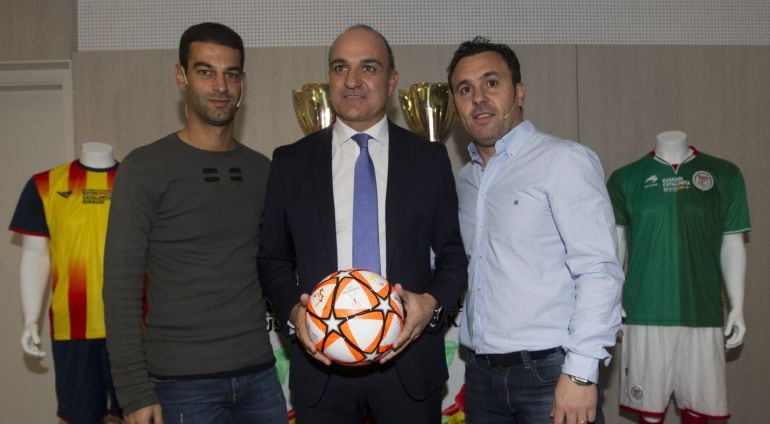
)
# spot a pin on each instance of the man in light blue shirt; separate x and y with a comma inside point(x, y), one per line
point(543, 299)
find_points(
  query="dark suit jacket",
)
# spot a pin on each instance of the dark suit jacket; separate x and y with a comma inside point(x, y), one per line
point(298, 245)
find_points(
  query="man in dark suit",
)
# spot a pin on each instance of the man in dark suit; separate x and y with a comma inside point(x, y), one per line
point(312, 228)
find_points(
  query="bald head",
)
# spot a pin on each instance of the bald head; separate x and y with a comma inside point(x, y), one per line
point(358, 29)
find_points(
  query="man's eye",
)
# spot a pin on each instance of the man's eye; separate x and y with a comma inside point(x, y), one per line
point(233, 76)
point(370, 68)
point(338, 68)
point(492, 83)
point(464, 90)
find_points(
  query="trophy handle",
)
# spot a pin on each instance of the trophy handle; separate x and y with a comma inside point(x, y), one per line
point(312, 107)
point(428, 109)
point(409, 110)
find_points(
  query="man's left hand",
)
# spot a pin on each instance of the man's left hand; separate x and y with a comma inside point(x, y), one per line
point(419, 311)
point(574, 404)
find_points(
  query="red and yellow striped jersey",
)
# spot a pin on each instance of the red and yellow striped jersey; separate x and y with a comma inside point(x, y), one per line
point(70, 205)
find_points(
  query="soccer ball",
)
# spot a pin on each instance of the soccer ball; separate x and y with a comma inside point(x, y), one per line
point(354, 316)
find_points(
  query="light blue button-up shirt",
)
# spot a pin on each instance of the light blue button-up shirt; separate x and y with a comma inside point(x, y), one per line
point(539, 232)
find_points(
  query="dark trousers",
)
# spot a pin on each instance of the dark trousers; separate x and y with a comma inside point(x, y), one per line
point(521, 393)
point(351, 395)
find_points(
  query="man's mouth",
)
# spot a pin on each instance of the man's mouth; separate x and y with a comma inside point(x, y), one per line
point(220, 102)
point(482, 115)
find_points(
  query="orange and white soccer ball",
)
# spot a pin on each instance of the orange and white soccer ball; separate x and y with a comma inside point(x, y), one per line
point(354, 316)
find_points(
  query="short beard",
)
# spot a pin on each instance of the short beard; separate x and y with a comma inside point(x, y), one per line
point(219, 122)
point(485, 143)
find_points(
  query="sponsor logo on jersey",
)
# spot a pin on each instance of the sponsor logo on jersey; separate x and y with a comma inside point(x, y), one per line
point(703, 180)
point(651, 181)
point(675, 184)
point(96, 197)
point(64, 194)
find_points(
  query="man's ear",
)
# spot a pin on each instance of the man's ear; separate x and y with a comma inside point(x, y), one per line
point(393, 82)
point(181, 77)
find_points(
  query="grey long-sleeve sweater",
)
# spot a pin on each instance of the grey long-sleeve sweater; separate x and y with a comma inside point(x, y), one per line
point(190, 218)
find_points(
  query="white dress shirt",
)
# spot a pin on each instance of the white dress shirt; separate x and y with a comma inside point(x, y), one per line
point(539, 232)
point(345, 151)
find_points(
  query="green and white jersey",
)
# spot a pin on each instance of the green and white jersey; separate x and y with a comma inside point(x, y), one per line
point(675, 217)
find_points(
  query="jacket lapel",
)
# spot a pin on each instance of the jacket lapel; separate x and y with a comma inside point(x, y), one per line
point(324, 193)
point(398, 180)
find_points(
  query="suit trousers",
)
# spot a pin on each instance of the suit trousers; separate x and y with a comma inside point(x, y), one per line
point(353, 393)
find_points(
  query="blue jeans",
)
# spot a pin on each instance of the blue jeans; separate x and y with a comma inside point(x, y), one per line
point(521, 394)
point(250, 398)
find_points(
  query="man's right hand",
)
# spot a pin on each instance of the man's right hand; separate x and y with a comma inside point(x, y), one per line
point(147, 415)
point(297, 318)
point(30, 340)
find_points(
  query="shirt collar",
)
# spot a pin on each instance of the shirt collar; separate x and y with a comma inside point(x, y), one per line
point(510, 143)
point(378, 132)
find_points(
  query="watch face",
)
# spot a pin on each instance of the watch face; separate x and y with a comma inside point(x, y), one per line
point(580, 381)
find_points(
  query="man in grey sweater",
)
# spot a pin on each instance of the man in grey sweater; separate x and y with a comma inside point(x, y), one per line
point(186, 210)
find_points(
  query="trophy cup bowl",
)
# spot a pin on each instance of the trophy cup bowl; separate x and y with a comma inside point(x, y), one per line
point(312, 107)
point(428, 109)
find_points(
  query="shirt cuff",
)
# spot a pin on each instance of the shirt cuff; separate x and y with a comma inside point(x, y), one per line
point(581, 366)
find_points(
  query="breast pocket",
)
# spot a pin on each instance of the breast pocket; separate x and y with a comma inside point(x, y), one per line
point(516, 213)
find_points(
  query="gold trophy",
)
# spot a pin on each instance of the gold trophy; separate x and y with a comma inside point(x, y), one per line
point(428, 109)
point(312, 107)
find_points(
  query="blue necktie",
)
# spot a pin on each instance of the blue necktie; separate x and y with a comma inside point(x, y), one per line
point(366, 232)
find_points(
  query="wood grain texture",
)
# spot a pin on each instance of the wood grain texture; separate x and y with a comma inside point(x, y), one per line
point(37, 29)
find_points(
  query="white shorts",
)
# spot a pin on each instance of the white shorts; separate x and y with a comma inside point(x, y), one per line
point(689, 362)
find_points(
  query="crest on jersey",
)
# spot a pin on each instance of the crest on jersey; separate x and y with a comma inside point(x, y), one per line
point(703, 180)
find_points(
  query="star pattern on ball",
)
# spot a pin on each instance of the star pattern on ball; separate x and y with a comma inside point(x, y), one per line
point(384, 305)
point(333, 324)
point(344, 274)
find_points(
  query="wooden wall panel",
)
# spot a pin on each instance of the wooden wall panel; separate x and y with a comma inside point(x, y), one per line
point(37, 29)
point(126, 99)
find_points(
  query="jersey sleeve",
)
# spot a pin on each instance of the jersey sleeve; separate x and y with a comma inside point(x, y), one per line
point(618, 199)
point(29, 216)
point(737, 218)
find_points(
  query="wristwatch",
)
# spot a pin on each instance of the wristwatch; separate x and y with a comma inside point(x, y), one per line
point(580, 381)
point(436, 316)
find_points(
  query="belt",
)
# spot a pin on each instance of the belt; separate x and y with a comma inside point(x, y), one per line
point(515, 358)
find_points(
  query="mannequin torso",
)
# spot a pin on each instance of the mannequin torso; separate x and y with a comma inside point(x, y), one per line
point(35, 264)
point(671, 146)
